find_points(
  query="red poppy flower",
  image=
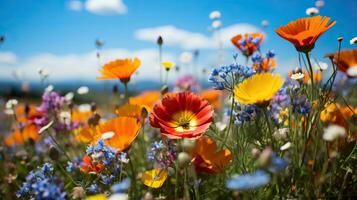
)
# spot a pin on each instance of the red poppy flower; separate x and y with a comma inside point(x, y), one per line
point(88, 166)
point(182, 115)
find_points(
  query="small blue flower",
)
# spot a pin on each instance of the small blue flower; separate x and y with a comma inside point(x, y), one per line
point(70, 167)
point(121, 187)
point(47, 168)
point(107, 179)
point(93, 188)
point(270, 54)
point(277, 163)
point(248, 181)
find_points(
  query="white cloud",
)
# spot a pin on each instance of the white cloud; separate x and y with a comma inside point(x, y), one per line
point(7, 58)
point(106, 7)
point(75, 5)
point(193, 40)
point(82, 66)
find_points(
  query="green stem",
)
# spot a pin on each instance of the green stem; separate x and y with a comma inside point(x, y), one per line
point(133, 176)
point(230, 123)
point(197, 194)
point(160, 59)
point(265, 111)
point(311, 74)
point(126, 92)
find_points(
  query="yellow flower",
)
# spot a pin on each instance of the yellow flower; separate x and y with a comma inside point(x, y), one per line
point(167, 65)
point(154, 178)
point(258, 89)
point(97, 197)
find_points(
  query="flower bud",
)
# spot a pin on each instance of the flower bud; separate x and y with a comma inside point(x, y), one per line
point(160, 41)
point(144, 112)
point(265, 157)
point(94, 120)
point(148, 196)
point(93, 106)
point(183, 159)
point(255, 153)
point(78, 193)
point(53, 153)
point(164, 90)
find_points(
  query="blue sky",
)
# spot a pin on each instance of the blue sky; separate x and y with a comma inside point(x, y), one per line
point(40, 30)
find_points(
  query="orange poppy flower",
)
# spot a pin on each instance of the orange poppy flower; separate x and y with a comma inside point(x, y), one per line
point(81, 116)
point(120, 132)
point(337, 114)
point(182, 115)
point(267, 65)
point(147, 99)
point(89, 167)
point(87, 134)
point(121, 69)
point(208, 159)
point(26, 113)
point(19, 137)
point(213, 97)
point(248, 43)
point(304, 32)
point(129, 110)
point(346, 61)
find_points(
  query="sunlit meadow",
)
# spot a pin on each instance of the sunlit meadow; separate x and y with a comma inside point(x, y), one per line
point(243, 126)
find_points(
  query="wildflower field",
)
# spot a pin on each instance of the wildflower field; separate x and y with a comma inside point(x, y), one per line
point(238, 129)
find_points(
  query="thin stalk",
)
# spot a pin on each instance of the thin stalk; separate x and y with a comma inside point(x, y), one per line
point(197, 194)
point(160, 59)
point(133, 177)
point(126, 92)
point(230, 123)
point(311, 74)
point(265, 111)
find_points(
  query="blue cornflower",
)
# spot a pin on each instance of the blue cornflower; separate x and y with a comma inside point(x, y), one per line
point(222, 77)
point(107, 179)
point(41, 184)
point(157, 145)
point(70, 167)
point(244, 113)
point(277, 163)
point(270, 54)
point(93, 188)
point(107, 154)
point(248, 181)
point(301, 104)
point(121, 187)
point(47, 189)
point(257, 58)
point(47, 168)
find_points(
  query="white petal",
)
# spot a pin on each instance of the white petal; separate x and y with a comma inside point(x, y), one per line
point(107, 135)
point(285, 146)
point(44, 128)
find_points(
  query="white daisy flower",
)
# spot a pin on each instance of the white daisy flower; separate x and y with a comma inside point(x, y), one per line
point(353, 41)
point(215, 14)
point(312, 11)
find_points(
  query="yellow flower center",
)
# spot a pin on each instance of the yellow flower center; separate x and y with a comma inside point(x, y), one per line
point(184, 121)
